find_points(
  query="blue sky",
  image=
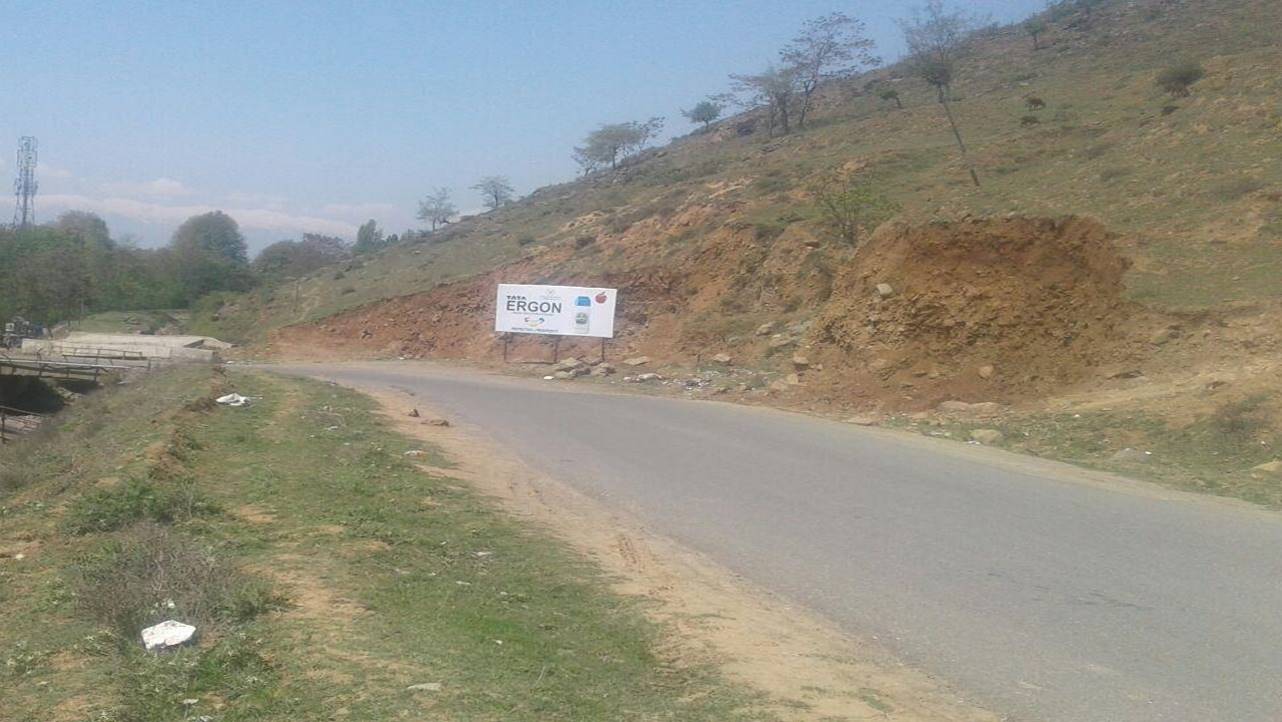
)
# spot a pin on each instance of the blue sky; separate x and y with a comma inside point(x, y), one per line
point(315, 116)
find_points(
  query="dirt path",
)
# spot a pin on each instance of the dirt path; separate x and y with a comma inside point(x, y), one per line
point(806, 665)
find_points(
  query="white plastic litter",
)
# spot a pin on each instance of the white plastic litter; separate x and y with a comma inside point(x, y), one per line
point(233, 399)
point(167, 634)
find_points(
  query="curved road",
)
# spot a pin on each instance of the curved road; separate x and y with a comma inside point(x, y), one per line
point(1043, 592)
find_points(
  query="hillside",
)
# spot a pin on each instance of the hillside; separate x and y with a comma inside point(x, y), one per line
point(1123, 245)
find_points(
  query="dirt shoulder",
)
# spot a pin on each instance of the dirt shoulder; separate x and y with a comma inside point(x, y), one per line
point(808, 668)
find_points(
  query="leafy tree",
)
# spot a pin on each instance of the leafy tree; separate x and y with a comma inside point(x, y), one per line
point(614, 141)
point(496, 189)
point(291, 259)
point(1035, 27)
point(891, 94)
point(88, 227)
point(774, 89)
point(705, 111)
point(369, 238)
point(211, 255)
point(937, 41)
point(829, 46)
point(851, 207)
point(1179, 78)
point(437, 209)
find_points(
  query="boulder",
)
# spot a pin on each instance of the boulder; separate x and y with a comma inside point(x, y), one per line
point(602, 369)
point(649, 377)
point(636, 361)
point(986, 371)
point(780, 341)
point(792, 380)
point(988, 437)
point(722, 358)
point(885, 290)
point(564, 375)
point(800, 362)
point(766, 329)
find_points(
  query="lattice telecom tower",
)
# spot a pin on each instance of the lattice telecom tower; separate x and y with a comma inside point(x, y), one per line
point(24, 187)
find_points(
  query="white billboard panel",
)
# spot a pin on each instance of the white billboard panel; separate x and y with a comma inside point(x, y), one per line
point(555, 310)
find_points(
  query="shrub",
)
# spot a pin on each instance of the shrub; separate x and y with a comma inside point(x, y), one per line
point(1029, 120)
point(103, 510)
point(851, 207)
point(584, 241)
point(525, 240)
point(151, 573)
point(1178, 78)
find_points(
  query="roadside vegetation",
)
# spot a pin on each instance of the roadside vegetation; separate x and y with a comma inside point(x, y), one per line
point(329, 575)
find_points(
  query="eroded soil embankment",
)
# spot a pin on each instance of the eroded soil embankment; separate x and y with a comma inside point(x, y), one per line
point(1005, 308)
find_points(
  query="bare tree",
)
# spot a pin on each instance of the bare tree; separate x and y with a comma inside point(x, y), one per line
point(437, 209)
point(937, 41)
point(829, 46)
point(774, 89)
point(496, 189)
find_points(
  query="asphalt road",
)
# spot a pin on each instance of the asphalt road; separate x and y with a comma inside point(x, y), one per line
point(1038, 591)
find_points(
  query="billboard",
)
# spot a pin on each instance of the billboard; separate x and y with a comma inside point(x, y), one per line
point(555, 310)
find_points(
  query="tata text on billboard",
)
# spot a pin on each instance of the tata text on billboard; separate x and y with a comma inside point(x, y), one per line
point(555, 310)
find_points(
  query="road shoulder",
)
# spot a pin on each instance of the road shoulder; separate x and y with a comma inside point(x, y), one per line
point(803, 662)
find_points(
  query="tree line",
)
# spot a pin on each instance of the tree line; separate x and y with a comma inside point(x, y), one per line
point(73, 267)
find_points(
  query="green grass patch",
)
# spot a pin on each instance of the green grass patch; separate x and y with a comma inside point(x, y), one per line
point(337, 575)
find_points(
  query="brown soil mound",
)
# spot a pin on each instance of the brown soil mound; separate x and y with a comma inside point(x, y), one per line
point(1038, 300)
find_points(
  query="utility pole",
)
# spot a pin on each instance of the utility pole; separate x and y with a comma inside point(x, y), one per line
point(24, 186)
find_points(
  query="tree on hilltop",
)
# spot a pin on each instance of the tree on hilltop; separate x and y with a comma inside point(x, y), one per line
point(829, 46)
point(938, 40)
point(611, 142)
point(705, 111)
point(369, 238)
point(496, 189)
point(437, 209)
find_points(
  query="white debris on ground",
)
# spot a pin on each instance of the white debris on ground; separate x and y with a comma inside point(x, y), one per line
point(234, 399)
point(167, 634)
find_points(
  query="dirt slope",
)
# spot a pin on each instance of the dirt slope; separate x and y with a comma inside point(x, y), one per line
point(1038, 301)
point(1017, 305)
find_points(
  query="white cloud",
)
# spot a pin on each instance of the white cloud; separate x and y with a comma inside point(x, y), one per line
point(360, 211)
point(262, 219)
point(158, 188)
point(52, 171)
point(259, 200)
